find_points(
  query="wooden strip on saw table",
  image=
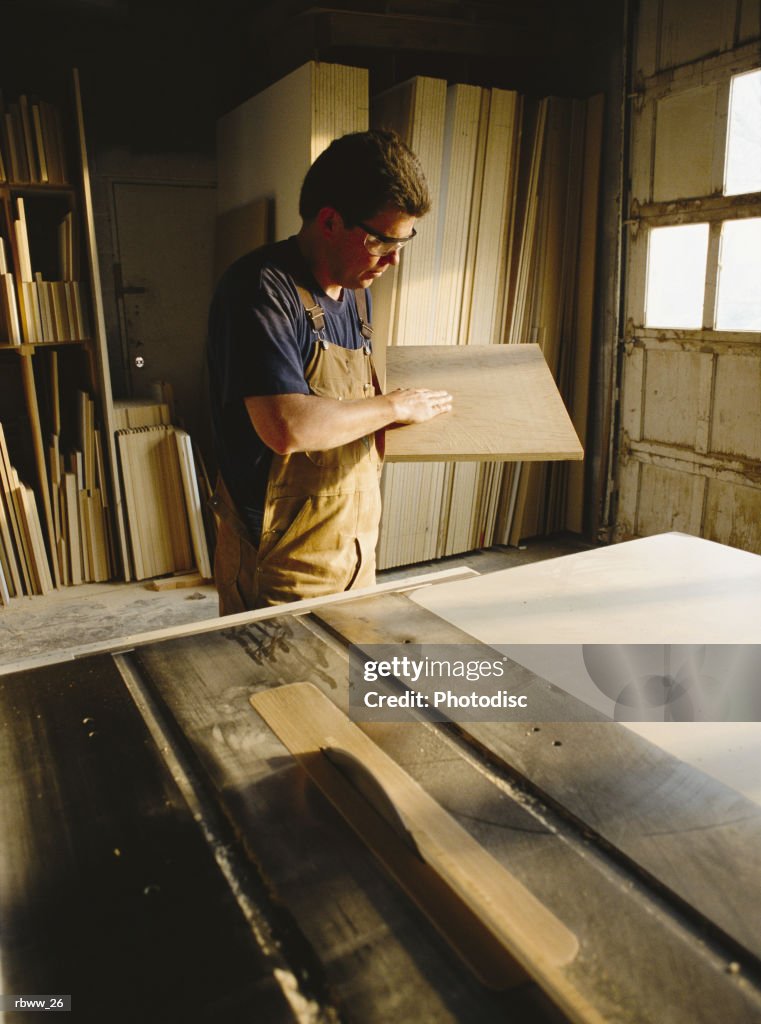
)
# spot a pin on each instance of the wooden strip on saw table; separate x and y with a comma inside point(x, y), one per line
point(108, 890)
point(506, 405)
point(493, 921)
point(693, 835)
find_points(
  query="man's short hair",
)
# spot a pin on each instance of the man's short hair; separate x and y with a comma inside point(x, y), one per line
point(361, 174)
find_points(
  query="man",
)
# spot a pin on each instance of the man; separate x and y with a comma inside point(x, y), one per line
point(295, 406)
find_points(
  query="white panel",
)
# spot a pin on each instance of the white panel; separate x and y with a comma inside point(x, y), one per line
point(684, 144)
point(631, 400)
point(643, 133)
point(695, 28)
point(628, 497)
point(666, 501)
point(647, 38)
point(672, 387)
point(737, 407)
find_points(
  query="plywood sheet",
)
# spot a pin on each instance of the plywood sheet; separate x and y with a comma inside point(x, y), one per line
point(667, 589)
point(506, 405)
point(671, 588)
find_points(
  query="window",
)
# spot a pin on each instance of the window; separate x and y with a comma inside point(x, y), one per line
point(676, 273)
point(738, 306)
point(743, 163)
point(692, 266)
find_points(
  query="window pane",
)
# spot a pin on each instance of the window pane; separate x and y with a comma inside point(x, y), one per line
point(676, 270)
point(738, 304)
point(743, 171)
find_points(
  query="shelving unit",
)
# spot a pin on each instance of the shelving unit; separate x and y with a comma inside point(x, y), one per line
point(55, 397)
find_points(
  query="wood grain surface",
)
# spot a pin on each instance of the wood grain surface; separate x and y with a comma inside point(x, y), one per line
point(506, 405)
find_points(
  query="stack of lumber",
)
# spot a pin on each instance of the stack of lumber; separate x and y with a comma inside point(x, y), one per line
point(48, 311)
point(454, 294)
point(24, 567)
point(76, 484)
point(164, 513)
point(10, 324)
point(79, 501)
point(514, 224)
point(31, 143)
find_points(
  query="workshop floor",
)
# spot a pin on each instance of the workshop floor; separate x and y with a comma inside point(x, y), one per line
point(73, 616)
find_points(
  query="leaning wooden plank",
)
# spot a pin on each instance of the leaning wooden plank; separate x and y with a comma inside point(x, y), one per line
point(30, 392)
point(72, 529)
point(506, 405)
point(176, 510)
point(30, 522)
point(99, 334)
point(7, 535)
point(8, 486)
point(193, 502)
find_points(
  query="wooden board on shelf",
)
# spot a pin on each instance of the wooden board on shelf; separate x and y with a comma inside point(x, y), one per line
point(506, 405)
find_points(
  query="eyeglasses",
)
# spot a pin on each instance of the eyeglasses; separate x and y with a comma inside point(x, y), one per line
point(382, 245)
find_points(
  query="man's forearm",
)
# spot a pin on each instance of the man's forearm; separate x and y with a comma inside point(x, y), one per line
point(294, 423)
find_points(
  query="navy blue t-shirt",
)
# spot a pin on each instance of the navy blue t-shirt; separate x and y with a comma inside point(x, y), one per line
point(260, 342)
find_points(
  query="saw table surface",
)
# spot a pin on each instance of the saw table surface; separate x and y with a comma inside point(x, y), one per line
point(160, 843)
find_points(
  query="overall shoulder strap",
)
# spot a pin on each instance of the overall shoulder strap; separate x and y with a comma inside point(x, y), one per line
point(314, 311)
point(360, 297)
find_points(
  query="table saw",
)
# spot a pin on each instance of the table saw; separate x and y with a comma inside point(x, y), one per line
point(165, 857)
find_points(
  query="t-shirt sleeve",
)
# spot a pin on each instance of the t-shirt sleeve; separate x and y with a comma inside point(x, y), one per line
point(256, 329)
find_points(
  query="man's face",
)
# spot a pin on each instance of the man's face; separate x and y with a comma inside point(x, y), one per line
point(354, 264)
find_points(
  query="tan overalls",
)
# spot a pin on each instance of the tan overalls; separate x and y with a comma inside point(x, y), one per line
point(321, 509)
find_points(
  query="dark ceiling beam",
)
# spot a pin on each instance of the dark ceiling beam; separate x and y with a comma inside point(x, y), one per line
point(341, 28)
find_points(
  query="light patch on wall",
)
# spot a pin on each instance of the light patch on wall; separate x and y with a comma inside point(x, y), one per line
point(676, 270)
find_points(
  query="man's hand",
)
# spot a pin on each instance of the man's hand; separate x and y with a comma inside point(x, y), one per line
point(416, 405)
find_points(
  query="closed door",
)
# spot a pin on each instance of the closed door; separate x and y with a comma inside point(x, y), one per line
point(165, 242)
